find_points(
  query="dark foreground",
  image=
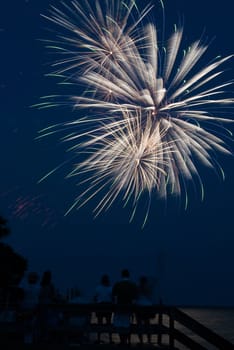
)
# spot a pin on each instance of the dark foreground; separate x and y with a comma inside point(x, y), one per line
point(88, 347)
point(163, 330)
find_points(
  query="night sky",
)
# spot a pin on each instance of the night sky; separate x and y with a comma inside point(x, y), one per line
point(190, 253)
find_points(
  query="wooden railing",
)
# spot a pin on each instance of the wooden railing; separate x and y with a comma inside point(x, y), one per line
point(167, 326)
point(169, 319)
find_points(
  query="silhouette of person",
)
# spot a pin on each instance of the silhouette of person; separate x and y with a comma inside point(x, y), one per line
point(124, 293)
point(31, 292)
point(144, 298)
point(103, 295)
point(30, 307)
point(47, 317)
point(47, 291)
point(11, 296)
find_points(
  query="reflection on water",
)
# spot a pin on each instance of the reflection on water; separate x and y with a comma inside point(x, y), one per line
point(219, 320)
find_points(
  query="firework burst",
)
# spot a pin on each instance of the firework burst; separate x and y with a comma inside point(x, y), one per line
point(151, 109)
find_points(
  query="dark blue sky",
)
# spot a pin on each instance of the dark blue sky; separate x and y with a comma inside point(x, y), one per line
point(190, 252)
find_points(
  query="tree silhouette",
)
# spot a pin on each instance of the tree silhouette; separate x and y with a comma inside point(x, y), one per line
point(4, 230)
point(12, 264)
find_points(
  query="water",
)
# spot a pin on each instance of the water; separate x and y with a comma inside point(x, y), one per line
point(219, 320)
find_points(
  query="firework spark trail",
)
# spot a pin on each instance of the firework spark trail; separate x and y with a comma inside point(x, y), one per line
point(23, 206)
point(132, 156)
point(153, 114)
point(102, 32)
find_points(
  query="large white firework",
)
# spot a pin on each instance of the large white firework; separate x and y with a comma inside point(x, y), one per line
point(151, 108)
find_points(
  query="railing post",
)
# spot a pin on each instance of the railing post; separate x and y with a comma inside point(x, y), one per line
point(171, 330)
point(160, 321)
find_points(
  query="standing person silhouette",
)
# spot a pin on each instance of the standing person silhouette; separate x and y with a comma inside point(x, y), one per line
point(30, 308)
point(46, 297)
point(103, 295)
point(144, 298)
point(124, 293)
